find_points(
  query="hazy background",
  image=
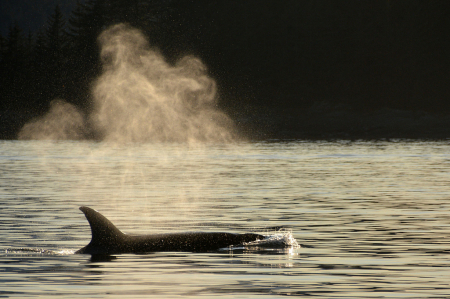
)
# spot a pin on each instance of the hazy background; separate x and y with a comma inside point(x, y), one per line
point(283, 69)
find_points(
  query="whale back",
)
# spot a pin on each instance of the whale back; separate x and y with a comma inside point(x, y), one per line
point(108, 239)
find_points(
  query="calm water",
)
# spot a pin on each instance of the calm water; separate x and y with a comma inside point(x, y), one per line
point(372, 218)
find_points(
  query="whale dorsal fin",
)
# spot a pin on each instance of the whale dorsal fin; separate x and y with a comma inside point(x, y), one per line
point(104, 234)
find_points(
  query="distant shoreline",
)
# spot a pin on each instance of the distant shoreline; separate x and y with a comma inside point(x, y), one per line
point(315, 123)
point(327, 123)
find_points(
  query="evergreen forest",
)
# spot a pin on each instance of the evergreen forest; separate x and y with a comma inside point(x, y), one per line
point(270, 58)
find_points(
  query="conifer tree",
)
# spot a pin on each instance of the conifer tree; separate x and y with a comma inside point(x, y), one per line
point(141, 14)
point(13, 67)
point(2, 45)
point(55, 46)
point(85, 24)
point(39, 69)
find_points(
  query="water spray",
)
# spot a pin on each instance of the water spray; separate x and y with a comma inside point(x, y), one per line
point(139, 97)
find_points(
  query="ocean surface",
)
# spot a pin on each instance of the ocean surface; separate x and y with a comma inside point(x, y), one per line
point(372, 218)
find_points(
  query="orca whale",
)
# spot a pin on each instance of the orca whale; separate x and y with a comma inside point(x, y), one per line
point(108, 239)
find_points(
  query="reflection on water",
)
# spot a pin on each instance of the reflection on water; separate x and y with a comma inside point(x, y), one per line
point(372, 218)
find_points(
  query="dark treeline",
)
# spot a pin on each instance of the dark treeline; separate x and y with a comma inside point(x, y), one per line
point(285, 55)
point(61, 60)
point(368, 54)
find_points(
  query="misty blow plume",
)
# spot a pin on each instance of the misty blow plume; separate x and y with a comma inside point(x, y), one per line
point(140, 97)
